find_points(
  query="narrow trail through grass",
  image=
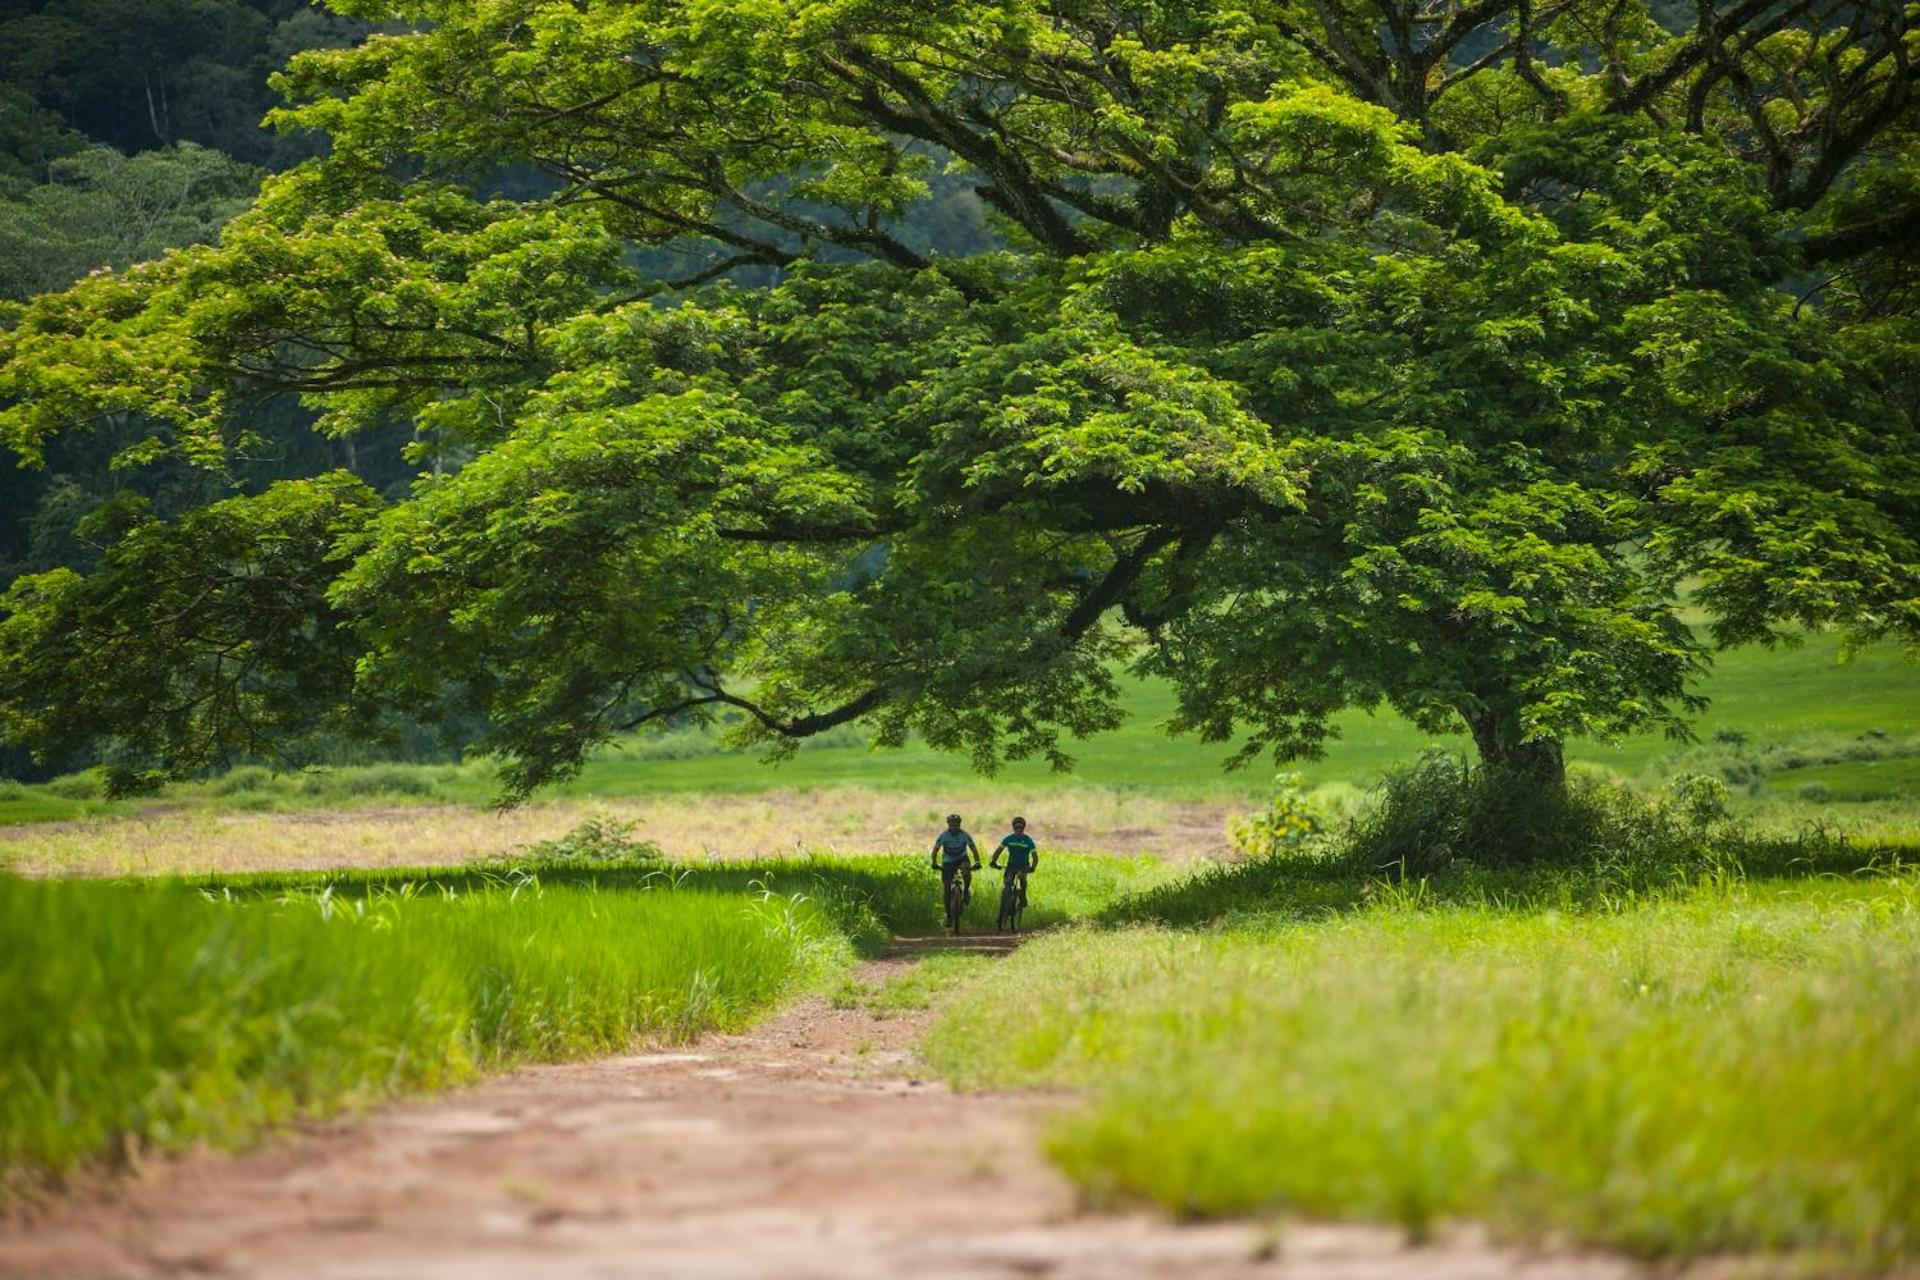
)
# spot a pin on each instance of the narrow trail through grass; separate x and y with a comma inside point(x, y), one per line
point(170, 1012)
point(812, 1145)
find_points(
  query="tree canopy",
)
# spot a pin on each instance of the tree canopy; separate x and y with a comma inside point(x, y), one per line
point(1359, 353)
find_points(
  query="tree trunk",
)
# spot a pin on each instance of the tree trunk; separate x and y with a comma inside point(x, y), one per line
point(153, 113)
point(1501, 746)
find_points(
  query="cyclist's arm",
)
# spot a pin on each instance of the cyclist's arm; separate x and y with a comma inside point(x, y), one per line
point(976, 852)
point(997, 851)
point(1033, 858)
point(936, 854)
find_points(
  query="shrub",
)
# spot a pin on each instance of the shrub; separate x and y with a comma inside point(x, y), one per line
point(245, 780)
point(599, 841)
point(1442, 810)
point(120, 781)
point(75, 786)
point(390, 780)
point(1291, 823)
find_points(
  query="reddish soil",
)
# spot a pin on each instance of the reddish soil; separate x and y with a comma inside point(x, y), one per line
point(812, 1146)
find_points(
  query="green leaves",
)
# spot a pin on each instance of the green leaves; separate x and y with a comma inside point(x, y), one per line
point(194, 643)
point(1322, 364)
point(576, 579)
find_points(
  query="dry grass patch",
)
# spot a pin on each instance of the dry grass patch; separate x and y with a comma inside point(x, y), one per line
point(767, 824)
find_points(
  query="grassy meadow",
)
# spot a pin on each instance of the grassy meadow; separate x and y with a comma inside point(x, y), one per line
point(1690, 1063)
point(171, 1011)
point(1693, 1037)
point(156, 1015)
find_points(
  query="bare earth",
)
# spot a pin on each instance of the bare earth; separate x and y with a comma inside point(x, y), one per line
point(809, 1147)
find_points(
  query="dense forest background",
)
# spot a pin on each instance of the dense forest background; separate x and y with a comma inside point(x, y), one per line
point(128, 127)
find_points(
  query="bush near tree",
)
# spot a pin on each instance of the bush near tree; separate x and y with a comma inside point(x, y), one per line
point(1352, 354)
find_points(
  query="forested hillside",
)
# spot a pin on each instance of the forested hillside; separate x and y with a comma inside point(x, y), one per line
point(128, 127)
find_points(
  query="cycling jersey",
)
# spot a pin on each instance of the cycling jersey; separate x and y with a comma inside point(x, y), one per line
point(1020, 850)
point(953, 845)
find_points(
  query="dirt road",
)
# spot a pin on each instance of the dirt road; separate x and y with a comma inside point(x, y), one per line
point(809, 1147)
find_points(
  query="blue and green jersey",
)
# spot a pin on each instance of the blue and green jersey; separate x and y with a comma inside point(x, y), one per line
point(1020, 850)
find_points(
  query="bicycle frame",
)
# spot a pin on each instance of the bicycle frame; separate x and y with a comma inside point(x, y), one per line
point(1013, 901)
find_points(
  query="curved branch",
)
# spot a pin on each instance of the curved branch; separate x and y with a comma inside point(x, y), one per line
point(1110, 590)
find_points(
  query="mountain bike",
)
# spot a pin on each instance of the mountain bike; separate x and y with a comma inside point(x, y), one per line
point(957, 895)
point(1013, 901)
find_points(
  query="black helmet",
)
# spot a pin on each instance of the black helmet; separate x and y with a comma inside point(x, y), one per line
point(954, 818)
point(1019, 822)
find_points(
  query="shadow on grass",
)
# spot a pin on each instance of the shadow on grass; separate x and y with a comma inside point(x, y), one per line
point(872, 900)
point(1306, 887)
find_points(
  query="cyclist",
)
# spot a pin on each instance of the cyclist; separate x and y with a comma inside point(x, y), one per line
point(1023, 855)
point(950, 850)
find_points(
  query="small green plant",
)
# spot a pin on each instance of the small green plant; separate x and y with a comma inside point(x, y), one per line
point(600, 841)
point(1291, 823)
point(850, 994)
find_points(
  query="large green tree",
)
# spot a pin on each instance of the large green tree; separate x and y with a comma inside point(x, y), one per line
point(1340, 353)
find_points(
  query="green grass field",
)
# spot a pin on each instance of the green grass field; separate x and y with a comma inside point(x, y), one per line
point(1724, 1064)
point(1770, 696)
point(169, 1012)
point(1681, 1051)
point(151, 1014)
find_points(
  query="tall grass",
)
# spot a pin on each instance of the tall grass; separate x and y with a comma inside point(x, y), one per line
point(157, 1015)
point(168, 1012)
point(1726, 1065)
point(867, 899)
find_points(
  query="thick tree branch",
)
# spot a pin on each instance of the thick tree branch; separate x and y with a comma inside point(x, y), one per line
point(1637, 94)
point(1844, 243)
point(1084, 615)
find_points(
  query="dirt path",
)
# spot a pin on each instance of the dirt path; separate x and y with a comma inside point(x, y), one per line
point(809, 1147)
